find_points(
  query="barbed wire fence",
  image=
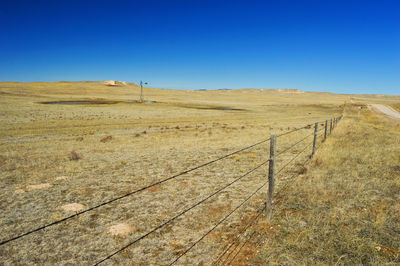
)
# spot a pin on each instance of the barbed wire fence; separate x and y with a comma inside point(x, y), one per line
point(234, 246)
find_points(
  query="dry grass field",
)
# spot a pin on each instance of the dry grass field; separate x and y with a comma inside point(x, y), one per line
point(55, 156)
point(345, 209)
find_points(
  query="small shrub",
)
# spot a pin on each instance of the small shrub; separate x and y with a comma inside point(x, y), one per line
point(106, 139)
point(73, 156)
point(303, 170)
point(318, 161)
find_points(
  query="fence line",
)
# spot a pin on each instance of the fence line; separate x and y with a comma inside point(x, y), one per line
point(222, 220)
point(295, 144)
point(228, 246)
point(252, 222)
point(272, 138)
point(270, 181)
point(292, 159)
point(287, 183)
point(181, 213)
point(240, 249)
point(130, 193)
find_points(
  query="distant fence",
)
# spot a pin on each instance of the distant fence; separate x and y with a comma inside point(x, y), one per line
point(233, 246)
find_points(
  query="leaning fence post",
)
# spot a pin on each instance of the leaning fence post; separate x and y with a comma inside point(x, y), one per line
point(330, 129)
point(326, 129)
point(271, 174)
point(315, 139)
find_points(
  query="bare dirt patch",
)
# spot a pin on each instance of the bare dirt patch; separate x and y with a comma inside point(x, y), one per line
point(82, 102)
point(38, 186)
point(120, 230)
point(73, 207)
point(61, 178)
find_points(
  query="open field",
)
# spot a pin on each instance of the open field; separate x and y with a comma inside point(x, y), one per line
point(345, 209)
point(152, 141)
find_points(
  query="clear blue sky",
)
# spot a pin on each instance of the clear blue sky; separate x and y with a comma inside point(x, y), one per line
point(323, 45)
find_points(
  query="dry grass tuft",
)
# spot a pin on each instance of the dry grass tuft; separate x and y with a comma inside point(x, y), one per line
point(303, 170)
point(60, 178)
point(318, 162)
point(73, 156)
point(38, 186)
point(106, 139)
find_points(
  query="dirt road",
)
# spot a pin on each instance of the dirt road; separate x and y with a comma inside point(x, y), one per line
point(386, 110)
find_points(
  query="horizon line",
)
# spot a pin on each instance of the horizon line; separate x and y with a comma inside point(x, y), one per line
point(200, 89)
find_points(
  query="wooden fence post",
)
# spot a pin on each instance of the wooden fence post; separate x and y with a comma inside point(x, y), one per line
point(271, 174)
point(330, 130)
point(326, 129)
point(315, 139)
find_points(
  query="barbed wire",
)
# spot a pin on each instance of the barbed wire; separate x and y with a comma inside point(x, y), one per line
point(181, 213)
point(187, 250)
point(276, 195)
point(237, 253)
point(249, 224)
point(130, 193)
point(295, 144)
point(294, 130)
point(292, 159)
point(252, 221)
point(221, 221)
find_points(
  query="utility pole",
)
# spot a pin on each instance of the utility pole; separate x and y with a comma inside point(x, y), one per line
point(141, 91)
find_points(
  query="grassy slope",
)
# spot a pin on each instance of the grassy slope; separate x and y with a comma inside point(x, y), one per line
point(395, 106)
point(345, 209)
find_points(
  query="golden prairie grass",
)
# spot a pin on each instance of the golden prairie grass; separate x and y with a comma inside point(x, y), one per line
point(345, 209)
point(148, 143)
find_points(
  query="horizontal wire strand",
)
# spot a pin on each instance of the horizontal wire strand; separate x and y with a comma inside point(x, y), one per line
point(130, 193)
point(221, 221)
point(175, 176)
point(277, 194)
point(295, 144)
point(180, 214)
point(227, 247)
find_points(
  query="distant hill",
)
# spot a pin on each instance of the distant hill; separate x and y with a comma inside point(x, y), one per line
point(274, 90)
